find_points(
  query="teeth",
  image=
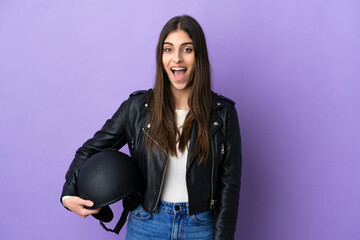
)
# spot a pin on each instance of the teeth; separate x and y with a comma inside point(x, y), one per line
point(178, 69)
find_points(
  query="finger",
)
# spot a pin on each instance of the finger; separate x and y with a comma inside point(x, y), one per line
point(94, 211)
point(86, 212)
point(86, 203)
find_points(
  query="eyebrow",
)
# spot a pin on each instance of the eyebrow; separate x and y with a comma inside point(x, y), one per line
point(185, 43)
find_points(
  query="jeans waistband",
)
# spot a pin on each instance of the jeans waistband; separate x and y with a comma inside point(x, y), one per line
point(174, 208)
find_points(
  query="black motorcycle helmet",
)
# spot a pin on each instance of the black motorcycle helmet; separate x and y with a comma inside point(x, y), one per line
point(107, 177)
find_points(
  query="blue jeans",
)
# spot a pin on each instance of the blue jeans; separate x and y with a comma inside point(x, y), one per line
point(170, 222)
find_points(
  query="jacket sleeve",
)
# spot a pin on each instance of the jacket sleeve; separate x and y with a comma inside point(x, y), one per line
point(229, 180)
point(110, 136)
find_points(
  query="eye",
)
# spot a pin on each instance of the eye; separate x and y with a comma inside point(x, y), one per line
point(187, 50)
point(167, 49)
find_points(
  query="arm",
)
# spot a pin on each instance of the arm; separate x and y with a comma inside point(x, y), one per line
point(111, 136)
point(229, 180)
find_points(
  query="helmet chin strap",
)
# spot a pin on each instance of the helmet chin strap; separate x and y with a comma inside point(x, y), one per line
point(120, 223)
point(104, 215)
point(129, 204)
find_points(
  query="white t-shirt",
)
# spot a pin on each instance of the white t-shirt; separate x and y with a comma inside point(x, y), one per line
point(174, 188)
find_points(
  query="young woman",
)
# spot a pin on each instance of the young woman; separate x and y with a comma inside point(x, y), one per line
point(186, 140)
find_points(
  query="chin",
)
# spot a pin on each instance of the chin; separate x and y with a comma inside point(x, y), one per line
point(180, 87)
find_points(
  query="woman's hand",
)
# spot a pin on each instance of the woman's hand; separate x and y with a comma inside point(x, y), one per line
point(77, 205)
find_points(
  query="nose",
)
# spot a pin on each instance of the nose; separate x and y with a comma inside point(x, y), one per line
point(178, 57)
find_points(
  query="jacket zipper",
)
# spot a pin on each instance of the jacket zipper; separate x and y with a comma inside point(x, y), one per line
point(222, 149)
point(161, 186)
point(154, 141)
point(212, 201)
point(163, 176)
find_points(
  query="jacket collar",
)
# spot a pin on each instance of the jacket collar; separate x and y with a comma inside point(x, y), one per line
point(215, 121)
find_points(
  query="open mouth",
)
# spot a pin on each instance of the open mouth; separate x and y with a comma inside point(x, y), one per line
point(179, 73)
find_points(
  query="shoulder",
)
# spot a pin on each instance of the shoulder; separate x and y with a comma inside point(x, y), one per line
point(138, 92)
point(139, 96)
point(135, 100)
point(225, 109)
point(220, 100)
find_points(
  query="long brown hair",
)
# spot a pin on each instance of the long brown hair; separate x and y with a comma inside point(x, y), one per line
point(161, 101)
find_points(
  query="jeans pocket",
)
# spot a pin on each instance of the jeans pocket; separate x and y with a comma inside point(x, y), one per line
point(140, 214)
point(203, 218)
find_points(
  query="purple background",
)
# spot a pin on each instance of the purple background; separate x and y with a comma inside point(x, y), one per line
point(291, 66)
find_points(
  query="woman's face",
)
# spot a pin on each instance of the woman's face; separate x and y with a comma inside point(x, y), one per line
point(178, 59)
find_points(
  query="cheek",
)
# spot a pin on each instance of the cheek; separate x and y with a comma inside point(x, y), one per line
point(165, 61)
point(192, 62)
point(191, 59)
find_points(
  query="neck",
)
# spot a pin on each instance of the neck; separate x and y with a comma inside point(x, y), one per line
point(181, 98)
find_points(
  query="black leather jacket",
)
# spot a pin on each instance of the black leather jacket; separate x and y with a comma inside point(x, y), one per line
point(214, 185)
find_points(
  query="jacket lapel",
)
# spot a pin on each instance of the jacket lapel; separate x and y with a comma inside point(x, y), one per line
point(190, 157)
point(214, 124)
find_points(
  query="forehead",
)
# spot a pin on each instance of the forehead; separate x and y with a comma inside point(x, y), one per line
point(177, 37)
